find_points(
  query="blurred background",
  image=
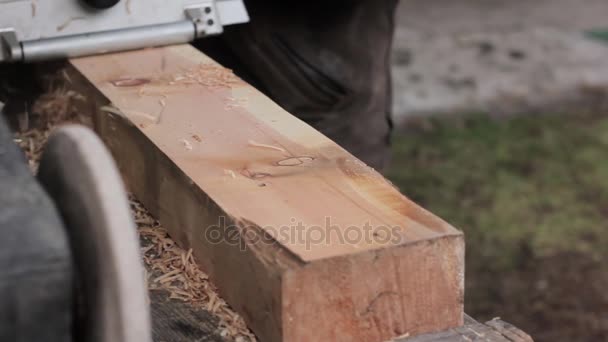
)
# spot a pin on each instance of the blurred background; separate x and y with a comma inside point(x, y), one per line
point(501, 110)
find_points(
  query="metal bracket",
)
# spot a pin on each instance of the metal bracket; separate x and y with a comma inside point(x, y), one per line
point(10, 48)
point(184, 21)
point(206, 18)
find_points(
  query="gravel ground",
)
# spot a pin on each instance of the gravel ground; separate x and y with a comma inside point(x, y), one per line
point(498, 57)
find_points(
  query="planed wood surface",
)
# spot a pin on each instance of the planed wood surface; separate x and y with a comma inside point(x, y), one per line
point(251, 189)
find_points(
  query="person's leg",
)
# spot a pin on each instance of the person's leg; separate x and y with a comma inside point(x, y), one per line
point(327, 63)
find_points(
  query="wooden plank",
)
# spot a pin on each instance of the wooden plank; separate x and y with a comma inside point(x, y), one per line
point(302, 239)
point(511, 332)
point(177, 321)
point(495, 330)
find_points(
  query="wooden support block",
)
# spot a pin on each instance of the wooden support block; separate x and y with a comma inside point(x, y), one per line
point(495, 330)
point(302, 239)
point(173, 320)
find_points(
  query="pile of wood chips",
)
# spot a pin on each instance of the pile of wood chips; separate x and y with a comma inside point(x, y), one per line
point(168, 266)
point(173, 269)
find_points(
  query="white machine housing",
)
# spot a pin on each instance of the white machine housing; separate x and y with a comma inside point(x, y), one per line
point(32, 30)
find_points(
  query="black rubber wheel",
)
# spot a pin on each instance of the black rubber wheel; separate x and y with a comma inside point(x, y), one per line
point(101, 4)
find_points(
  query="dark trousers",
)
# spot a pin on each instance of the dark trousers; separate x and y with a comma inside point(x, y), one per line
point(327, 62)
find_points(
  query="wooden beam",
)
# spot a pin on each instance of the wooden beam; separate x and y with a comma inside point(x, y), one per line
point(495, 330)
point(173, 320)
point(304, 240)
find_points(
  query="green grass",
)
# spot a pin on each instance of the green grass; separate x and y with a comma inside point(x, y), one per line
point(522, 190)
point(599, 34)
point(542, 180)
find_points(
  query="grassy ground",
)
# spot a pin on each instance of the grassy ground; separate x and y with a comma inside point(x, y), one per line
point(531, 195)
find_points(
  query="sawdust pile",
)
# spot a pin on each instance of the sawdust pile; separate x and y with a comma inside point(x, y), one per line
point(209, 75)
point(173, 269)
point(52, 109)
point(58, 107)
point(168, 266)
point(31, 142)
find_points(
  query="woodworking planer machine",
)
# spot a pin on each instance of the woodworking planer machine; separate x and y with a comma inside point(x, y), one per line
point(70, 268)
point(35, 30)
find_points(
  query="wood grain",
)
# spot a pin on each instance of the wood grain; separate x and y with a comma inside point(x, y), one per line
point(304, 240)
point(495, 330)
point(174, 321)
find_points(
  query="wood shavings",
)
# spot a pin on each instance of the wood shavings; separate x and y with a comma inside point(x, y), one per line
point(209, 75)
point(132, 113)
point(150, 117)
point(54, 108)
point(130, 82)
point(142, 91)
point(112, 110)
point(174, 270)
point(32, 142)
point(230, 173)
point(163, 105)
point(402, 337)
point(266, 146)
point(166, 276)
point(232, 103)
point(186, 144)
point(66, 76)
point(58, 106)
point(68, 22)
